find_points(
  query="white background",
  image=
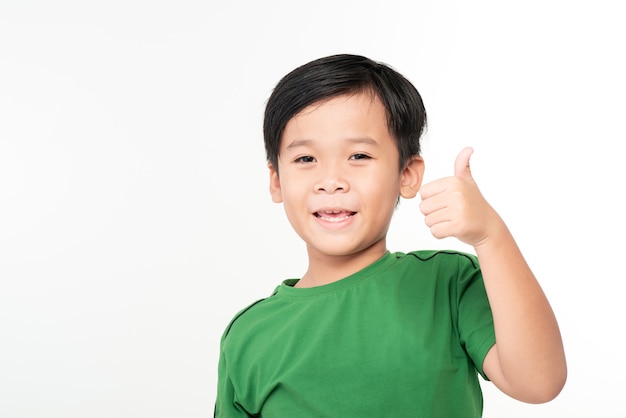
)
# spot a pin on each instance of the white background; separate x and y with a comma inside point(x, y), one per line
point(134, 214)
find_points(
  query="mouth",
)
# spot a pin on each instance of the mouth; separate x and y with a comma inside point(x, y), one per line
point(334, 215)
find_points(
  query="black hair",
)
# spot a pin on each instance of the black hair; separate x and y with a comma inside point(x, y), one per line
point(336, 75)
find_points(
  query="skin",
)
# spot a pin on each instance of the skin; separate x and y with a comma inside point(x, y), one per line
point(339, 156)
point(339, 182)
point(528, 361)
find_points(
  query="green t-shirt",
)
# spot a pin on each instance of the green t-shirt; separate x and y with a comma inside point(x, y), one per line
point(404, 337)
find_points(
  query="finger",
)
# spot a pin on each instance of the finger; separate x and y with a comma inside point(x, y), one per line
point(435, 187)
point(439, 224)
point(462, 164)
point(433, 204)
point(438, 217)
point(441, 230)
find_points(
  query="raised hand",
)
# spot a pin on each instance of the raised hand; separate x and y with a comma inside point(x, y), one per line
point(454, 207)
point(527, 361)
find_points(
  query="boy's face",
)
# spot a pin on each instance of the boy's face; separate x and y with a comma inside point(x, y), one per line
point(339, 176)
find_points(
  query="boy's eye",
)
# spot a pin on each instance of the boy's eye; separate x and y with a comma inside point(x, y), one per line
point(305, 159)
point(359, 157)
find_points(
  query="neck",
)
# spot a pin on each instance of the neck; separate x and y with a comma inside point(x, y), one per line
point(325, 269)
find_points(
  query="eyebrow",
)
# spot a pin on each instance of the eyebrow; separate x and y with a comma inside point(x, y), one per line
point(366, 140)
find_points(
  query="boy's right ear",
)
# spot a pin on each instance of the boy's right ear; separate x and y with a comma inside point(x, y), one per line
point(275, 190)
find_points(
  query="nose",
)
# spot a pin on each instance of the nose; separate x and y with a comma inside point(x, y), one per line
point(331, 180)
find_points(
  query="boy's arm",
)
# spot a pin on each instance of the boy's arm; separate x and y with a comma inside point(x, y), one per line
point(225, 401)
point(528, 361)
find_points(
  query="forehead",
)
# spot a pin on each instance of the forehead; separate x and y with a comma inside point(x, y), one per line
point(355, 115)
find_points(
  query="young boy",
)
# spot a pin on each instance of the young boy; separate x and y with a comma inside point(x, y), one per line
point(365, 332)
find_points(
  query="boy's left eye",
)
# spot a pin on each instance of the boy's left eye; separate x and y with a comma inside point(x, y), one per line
point(359, 157)
point(305, 159)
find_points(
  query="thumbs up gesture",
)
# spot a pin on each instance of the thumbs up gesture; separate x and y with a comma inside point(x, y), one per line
point(454, 207)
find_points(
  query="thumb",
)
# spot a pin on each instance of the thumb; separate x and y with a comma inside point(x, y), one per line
point(462, 164)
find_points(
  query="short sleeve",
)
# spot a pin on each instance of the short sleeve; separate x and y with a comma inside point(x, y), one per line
point(225, 403)
point(475, 319)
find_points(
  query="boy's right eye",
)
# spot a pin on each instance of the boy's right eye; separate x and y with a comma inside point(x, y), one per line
point(305, 159)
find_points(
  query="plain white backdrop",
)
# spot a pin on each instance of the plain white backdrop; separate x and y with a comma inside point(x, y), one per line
point(135, 219)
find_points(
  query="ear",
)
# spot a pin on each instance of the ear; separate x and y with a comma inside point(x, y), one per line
point(275, 190)
point(412, 176)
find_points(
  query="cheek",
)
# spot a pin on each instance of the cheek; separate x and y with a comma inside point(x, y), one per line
point(294, 198)
point(384, 185)
point(382, 201)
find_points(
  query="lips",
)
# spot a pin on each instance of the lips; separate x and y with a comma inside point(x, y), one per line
point(334, 215)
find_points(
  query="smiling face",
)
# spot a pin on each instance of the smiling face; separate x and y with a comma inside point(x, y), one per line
point(339, 180)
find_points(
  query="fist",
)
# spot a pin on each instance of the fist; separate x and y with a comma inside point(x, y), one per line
point(454, 207)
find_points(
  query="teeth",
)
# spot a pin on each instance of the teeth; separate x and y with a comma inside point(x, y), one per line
point(334, 219)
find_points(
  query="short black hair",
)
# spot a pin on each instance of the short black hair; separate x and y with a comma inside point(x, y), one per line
point(336, 75)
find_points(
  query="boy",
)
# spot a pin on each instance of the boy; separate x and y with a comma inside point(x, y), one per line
point(366, 332)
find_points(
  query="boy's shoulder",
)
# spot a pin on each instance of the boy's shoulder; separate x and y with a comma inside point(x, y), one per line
point(440, 263)
point(443, 256)
point(245, 313)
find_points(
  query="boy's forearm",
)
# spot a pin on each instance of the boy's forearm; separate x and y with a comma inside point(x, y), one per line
point(529, 348)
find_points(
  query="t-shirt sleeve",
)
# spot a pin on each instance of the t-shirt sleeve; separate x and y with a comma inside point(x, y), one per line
point(225, 403)
point(475, 320)
point(229, 380)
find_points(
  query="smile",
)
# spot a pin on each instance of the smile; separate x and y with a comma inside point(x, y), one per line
point(334, 215)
